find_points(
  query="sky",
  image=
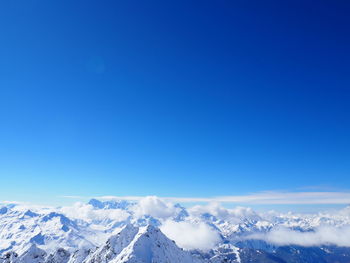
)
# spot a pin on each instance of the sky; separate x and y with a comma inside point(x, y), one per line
point(173, 98)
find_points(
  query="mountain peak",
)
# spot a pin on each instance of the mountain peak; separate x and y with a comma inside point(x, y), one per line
point(151, 245)
point(30, 213)
point(32, 255)
point(114, 245)
point(96, 203)
point(140, 244)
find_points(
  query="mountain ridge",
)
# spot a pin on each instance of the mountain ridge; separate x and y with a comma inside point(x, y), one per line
point(117, 232)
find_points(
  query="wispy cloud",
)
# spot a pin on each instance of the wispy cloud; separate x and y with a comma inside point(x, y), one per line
point(74, 197)
point(268, 197)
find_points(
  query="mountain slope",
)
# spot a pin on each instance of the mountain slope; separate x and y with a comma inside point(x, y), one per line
point(114, 245)
point(151, 245)
point(140, 244)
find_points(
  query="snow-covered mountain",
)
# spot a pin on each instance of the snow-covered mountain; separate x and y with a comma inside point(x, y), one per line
point(131, 244)
point(140, 244)
point(47, 230)
point(152, 230)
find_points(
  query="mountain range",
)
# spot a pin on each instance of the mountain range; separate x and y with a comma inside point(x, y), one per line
point(152, 230)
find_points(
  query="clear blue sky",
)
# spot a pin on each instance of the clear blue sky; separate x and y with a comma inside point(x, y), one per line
point(173, 98)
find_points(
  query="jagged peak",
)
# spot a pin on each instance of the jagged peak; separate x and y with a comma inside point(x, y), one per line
point(95, 203)
point(65, 221)
point(59, 256)
point(32, 254)
point(30, 213)
point(151, 245)
point(114, 245)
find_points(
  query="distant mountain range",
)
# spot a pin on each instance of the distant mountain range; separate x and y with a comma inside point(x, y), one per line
point(152, 230)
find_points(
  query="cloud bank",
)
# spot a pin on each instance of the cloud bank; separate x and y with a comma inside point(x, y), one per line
point(156, 207)
point(191, 235)
point(202, 226)
point(325, 235)
point(88, 213)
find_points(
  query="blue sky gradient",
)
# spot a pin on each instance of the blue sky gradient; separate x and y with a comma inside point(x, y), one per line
point(173, 98)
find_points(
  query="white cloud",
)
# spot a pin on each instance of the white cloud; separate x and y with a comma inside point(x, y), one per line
point(212, 208)
point(325, 235)
point(233, 215)
point(190, 235)
point(154, 206)
point(88, 213)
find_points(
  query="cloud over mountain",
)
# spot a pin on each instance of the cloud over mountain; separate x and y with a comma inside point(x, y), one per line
point(323, 235)
point(198, 227)
point(191, 235)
